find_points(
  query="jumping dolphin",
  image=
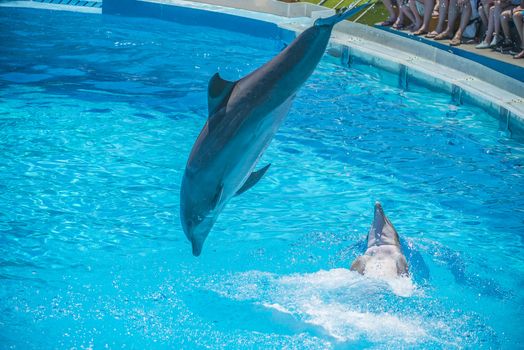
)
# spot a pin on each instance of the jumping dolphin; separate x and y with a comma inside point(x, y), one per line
point(383, 257)
point(243, 118)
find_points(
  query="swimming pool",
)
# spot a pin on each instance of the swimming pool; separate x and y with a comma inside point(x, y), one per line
point(98, 115)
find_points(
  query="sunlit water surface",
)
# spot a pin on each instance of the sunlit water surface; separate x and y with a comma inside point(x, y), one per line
point(98, 115)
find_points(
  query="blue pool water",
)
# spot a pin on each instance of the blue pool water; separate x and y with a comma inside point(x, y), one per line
point(97, 117)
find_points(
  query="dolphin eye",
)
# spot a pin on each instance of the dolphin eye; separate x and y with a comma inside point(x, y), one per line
point(196, 219)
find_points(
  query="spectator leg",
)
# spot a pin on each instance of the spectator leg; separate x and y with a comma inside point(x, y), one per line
point(453, 11)
point(519, 24)
point(491, 25)
point(442, 14)
point(465, 6)
point(504, 22)
point(496, 16)
point(484, 15)
point(418, 18)
point(406, 11)
point(389, 7)
point(428, 11)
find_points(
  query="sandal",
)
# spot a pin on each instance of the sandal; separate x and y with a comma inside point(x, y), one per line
point(398, 26)
point(431, 35)
point(420, 32)
point(443, 36)
point(455, 42)
point(387, 23)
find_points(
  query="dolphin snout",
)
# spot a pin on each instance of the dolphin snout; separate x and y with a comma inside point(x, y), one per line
point(190, 230)
point(197, 232)
point(197, 247)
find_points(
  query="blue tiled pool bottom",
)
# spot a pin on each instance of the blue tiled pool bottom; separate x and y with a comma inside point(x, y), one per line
point(95, 134)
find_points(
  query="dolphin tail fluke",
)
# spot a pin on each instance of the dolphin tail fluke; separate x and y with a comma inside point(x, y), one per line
point(342, 15)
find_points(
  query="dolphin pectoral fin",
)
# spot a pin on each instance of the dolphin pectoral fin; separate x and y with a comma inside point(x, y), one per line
point(253, 179)
point(218, 91)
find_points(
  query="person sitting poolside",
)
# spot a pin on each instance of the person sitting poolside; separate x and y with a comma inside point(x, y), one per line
point(392, 13)
point(484, 8)
point(493, 37)
point(518, 19)
point(442, 15)
point(490, 38)
point(508, 45)
point(422, 22)
point(465, 8)
point(405, 13)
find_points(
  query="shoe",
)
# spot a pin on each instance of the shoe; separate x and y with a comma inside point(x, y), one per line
point(495, 41)
point(483, 45)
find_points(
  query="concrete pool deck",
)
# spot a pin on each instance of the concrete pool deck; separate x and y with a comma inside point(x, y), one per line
point(414, 63)
point(47, 5)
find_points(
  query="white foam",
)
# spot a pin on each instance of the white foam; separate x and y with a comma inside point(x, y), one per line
point(345, 324)
point(331, 279)
point(344, 278)
point(277, 307)
point(345, 304)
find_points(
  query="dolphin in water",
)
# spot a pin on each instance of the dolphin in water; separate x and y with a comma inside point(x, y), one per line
point(383, 257)
point(244, 115)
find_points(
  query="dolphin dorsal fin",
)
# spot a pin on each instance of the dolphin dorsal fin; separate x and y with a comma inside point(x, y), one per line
point(253, 179)
point(218, 91)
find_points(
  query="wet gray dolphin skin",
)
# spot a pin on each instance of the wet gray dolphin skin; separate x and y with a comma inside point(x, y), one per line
point(243, 118)
point(383, 251)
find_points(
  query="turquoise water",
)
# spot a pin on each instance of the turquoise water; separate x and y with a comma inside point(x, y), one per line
point(98, 115)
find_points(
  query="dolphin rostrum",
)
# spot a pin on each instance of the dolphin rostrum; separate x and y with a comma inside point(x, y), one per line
point(383, 257)
point(243, 118)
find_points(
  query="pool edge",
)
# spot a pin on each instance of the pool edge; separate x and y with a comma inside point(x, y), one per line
point(419, 65)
